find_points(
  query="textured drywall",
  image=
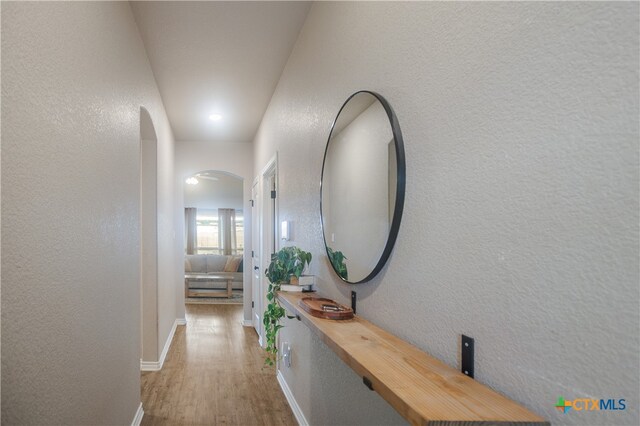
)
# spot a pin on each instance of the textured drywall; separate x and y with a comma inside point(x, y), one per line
point(520, 226)
point(0, 214)
point(74, 78)
point(234, 158)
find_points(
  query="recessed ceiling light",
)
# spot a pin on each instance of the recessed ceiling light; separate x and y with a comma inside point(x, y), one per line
point(215, 117)
point(192, 181)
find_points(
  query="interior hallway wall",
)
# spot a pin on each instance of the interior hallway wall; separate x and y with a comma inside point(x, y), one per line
point(520, 229)
point(74, 77)
point(235, 158)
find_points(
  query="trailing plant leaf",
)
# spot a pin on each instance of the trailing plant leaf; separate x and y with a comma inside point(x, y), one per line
point(286, 262)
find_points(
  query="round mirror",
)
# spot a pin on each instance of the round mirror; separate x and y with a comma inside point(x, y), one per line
point(362, 187)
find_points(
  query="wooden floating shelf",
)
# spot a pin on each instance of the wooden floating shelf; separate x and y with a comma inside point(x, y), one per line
point(424, 390)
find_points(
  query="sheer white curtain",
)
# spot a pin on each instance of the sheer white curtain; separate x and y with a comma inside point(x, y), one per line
point(190, 229)
point(227, 231)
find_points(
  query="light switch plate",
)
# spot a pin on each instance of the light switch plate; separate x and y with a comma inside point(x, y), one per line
point(286, 354)
point(284, 230)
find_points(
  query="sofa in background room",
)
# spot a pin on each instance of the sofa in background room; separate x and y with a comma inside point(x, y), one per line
point(219, 264)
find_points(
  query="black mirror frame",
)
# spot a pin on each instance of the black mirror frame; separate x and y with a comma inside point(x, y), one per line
point(400, 186)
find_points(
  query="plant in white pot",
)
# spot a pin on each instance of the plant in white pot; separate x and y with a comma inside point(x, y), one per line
point(285, 263)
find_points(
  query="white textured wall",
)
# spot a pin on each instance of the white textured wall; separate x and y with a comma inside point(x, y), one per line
point(74, 77)
point(235, 158)
point(520, 229)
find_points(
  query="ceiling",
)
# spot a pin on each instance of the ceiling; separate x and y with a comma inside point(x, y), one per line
point(218, 58)
point(214, 190)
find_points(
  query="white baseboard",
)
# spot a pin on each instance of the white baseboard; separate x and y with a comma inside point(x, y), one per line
point(150, 365)
point(297, 412)
point(247, 323)
point(138, 417)
point(157, 365)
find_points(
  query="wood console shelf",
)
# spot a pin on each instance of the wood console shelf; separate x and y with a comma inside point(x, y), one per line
point(424, 390)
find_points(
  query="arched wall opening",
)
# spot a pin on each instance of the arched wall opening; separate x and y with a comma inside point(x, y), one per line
point(192, 157)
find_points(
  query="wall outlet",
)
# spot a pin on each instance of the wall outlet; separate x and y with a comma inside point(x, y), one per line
point(286, 354)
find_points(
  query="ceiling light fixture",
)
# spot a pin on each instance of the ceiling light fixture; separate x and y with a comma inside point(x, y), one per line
point(215, 117)
point(191, 181)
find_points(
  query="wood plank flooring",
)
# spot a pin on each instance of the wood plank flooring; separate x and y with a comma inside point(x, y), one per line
point(214, 375)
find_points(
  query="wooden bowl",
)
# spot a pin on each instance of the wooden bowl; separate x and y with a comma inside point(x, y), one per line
point(325, 308)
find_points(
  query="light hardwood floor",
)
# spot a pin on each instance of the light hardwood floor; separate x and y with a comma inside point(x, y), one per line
point(214, 375)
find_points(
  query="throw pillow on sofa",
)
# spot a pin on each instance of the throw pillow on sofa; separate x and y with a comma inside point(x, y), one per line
point(216, 262)
point(233, 262)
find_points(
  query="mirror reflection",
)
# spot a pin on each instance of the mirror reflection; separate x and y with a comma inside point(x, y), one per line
point(360, 187)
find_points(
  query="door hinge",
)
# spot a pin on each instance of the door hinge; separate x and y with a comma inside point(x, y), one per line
point(252, 254)
point(273, 194)
point(251, 203)
point(252, 304)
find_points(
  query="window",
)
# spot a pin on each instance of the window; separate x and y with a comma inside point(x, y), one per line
point(207, 232)
point(208, 237)
point(239, 232)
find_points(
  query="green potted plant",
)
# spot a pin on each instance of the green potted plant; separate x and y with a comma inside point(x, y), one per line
point(285, 263)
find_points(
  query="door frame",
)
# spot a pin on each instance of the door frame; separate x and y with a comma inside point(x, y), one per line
point(256, 305)
point(268, 231)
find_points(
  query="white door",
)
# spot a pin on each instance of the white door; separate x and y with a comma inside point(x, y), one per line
point(256, 300)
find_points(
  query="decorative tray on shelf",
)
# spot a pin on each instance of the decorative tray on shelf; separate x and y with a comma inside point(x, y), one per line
point(325, 308)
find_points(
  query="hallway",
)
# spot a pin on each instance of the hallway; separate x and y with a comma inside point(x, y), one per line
point(466, 173)
point(214, 374)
